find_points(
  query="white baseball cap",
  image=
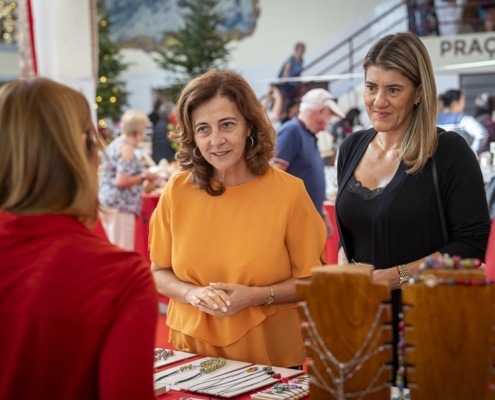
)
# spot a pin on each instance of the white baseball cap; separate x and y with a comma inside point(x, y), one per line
point(322, 97)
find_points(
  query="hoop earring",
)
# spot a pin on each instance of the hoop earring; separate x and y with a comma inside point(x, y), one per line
point(194, 153)
point(252, 143)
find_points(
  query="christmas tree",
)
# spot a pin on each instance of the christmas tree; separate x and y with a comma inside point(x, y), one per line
point(195, 48)
point(111, 96)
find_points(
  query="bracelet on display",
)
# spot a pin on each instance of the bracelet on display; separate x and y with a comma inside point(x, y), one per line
point(163, 354)
point(447, 262)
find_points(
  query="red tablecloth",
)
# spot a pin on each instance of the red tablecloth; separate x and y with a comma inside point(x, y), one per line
point(151, 200)
point(331, 247)
point(142, 225)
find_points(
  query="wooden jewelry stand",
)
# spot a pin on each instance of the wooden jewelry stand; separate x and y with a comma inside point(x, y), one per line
point(347, 332)
point(450, 337)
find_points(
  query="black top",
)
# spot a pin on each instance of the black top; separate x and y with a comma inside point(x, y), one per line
point(161, 146)
point(406, 222)
point(357, 217)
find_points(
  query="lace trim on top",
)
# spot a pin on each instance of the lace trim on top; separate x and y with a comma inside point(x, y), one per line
point(356, 186)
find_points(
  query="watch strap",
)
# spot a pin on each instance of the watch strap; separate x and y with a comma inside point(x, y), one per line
point(403, 274)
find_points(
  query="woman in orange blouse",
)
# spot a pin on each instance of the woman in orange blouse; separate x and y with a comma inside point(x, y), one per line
point(231, 234)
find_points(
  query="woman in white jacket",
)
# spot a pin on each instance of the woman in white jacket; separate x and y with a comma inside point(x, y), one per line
point(452, 118)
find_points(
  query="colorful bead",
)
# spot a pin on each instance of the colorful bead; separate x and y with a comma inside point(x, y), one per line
point(455, 262)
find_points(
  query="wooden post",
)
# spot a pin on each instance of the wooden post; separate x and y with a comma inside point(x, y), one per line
point(346, 326)
point(450, 337)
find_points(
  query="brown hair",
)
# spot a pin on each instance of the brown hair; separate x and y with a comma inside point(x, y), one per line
point(406, 53)
point(44, 166)
point(233, 87)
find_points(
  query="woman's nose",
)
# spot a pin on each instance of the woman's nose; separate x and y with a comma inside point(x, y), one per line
point(380, 99)
point(217, 137)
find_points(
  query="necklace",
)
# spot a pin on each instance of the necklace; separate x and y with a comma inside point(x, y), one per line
point(381, 143)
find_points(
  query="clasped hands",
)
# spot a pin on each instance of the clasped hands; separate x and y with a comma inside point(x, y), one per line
point(219, 299)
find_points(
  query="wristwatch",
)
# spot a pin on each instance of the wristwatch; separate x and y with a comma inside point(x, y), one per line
point(403, 275)
point(269, 299)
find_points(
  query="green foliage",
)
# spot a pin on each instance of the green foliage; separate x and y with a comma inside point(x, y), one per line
point(111, 94)
point(197, 47)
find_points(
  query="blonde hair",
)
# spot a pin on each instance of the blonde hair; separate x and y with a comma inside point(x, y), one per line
point(45, 166)
point(406, 53)
point(258, 151)
point(134, 122)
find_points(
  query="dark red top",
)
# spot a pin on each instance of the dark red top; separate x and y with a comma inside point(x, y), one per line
point(77, 315)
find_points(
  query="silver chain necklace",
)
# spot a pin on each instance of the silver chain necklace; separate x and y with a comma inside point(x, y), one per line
point(381, 143)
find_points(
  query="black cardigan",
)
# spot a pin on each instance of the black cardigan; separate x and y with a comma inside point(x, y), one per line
point(406, 220)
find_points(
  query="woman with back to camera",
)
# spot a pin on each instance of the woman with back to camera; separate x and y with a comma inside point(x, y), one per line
point(231, 234)
point(386, 206)
point(77, 314)
point(453, 118)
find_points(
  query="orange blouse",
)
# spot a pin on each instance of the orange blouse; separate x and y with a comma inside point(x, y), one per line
point(255, 234)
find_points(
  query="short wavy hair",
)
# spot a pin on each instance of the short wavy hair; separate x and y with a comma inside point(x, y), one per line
point(235, 88)
point(406, 53)
point(133, 122)
point(45, 167)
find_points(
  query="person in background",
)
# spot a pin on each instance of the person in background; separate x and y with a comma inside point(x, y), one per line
point(387, 208)
point(292, 68)
point(161, 146)
point(449, 14)
point(290, 111)
point(273, 104)
point(121, 181)
point(422, 17)
point(487, 14)
point(453, 118)
point(484, 106)
point(77, 314)
point(231, 235)
point(297, 150)
point(154, 115)
point(343, 128)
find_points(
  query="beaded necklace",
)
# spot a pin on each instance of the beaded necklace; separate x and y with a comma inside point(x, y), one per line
point(163, 354)
point(205, 367)
point(287, 388)
point(447, 262)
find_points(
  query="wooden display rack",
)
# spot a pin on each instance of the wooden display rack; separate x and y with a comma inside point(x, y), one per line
point(346, 326)
point(450, 338)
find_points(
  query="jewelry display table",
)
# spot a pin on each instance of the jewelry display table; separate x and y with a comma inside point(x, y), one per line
point(233, 379)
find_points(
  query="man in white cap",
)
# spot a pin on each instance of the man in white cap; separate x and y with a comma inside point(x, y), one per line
point(297, 149)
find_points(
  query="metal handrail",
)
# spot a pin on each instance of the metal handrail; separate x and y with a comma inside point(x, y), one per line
point(353, 48)
point(351, 37)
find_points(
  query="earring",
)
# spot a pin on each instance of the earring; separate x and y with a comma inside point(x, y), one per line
point(252, 142)
point(194, 153)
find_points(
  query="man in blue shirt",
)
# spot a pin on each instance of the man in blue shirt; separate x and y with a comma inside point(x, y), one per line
point(297, 149)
